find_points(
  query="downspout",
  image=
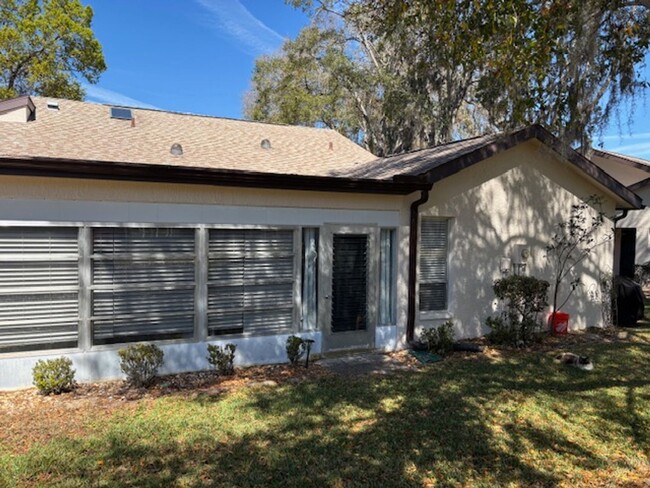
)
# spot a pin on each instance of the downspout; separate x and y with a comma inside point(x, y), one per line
point(620, 217)
point(413, 252)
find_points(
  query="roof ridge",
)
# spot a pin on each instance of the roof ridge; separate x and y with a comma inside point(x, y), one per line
point(187, 114)
point(439, 145)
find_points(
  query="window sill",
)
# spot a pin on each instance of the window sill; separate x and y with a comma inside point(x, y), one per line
point(437, 315)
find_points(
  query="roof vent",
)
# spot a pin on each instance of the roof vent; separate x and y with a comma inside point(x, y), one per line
point(265, 144)
point(121, 113)
point(52, 105)
point(176, 149)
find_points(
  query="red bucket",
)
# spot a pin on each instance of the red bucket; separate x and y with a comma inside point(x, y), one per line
point(560, 323)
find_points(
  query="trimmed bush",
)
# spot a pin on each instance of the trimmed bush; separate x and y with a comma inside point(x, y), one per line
point(524, 298)
point(439, 340)
point(54, 376)
point(295, 349)
point(222, 358)
point(140, 363)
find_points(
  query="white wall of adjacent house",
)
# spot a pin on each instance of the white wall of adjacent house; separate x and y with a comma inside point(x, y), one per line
point(497, 208)
point(625, 173)
point(90, 207)
point(640, 219)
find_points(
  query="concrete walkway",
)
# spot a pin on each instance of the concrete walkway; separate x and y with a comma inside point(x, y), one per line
point(364, 363)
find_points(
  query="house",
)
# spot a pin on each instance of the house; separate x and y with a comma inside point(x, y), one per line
point(633, 230)
point(121, 225)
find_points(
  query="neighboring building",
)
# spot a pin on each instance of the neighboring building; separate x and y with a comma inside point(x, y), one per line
point(120, 225)
point(632, 231)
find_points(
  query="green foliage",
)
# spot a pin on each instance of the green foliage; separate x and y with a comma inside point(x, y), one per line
point(402, 75)
point(222, 358)
point(296, 348)
point(54, 376)
point(608, 307)
point(502, 331)
point(439, 340)
point(518, 421)
point(524, 298)
point(573, 241)
point(642, 274)
point(140, 363)
point(46, 46)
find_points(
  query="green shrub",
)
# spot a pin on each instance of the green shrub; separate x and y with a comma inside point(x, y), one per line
point(524, 298)
point(140, 363)
point(439, 340)
point(295, 348)
point(222, 358)
point(54, 376)
point(501, 331)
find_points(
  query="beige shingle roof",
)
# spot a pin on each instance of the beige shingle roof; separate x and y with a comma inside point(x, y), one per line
point(418, 162)
point(85, 131)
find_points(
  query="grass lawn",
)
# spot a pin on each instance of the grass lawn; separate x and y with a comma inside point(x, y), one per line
point(515, 419)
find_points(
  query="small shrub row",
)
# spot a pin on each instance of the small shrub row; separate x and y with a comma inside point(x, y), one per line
point(141, 362)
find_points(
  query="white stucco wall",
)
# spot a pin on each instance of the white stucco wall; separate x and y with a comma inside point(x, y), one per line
point(640, 219)
point(51, 201)
point(103, 363)
point(514, 198)
point(16, 115)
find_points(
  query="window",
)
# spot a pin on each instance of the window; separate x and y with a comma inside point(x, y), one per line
point(143, 284)
point(434, 235)
point(310, 279)
point(250, 281)
point(39, 288)
point(121, 113)
point(387, 277)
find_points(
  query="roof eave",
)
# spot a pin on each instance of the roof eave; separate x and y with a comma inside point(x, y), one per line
point(162, 173)
point(626, 199)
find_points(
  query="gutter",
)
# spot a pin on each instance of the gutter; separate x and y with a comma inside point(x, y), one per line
point(413, 253)
point(165, 173)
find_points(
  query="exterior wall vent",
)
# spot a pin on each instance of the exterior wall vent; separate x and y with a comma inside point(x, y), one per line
point(265, 144)
point(121, 113)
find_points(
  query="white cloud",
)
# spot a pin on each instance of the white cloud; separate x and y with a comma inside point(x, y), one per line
point(232, 20)
point(625, 137)
point(102, 95)
point(631, 149)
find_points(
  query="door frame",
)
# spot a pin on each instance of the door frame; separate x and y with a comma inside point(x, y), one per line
point(336, 341)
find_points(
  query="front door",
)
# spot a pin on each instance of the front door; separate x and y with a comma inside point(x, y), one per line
point(348, 279)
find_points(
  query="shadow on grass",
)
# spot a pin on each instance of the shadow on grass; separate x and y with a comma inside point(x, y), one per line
point(467, 422)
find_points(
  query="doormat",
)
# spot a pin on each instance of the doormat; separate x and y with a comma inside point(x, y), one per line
point(425, 357)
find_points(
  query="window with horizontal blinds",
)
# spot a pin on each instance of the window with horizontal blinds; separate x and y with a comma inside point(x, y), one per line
point(143, 282)
point(250, 281)
point(39, 288)
point(434, 236)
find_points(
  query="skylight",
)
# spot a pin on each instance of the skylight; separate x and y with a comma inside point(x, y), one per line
point(121, 113)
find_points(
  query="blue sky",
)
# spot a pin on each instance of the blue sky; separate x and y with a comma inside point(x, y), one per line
point(198, 55)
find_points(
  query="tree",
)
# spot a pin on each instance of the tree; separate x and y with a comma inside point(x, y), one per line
point(45, 46)
point(574, 240)
point(428, 72)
